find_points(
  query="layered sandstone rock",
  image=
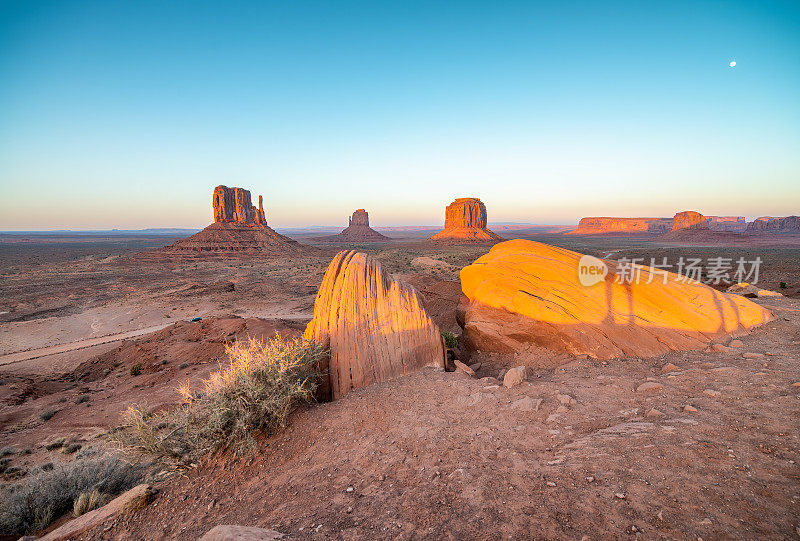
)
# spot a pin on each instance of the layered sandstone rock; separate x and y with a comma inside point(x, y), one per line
point(375, 326)
point(767, 224)
point(689, 219)
point(357, 230)
point(238, 227)
point(525, 292)
point(604, 225)
point(465, 219)
point(733, 224)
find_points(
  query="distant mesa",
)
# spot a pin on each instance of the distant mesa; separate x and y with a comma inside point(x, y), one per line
point(238, 227)
point(732, 224)
point(357, 230)
point(768, 224)
point(595, 225)
point(465, 220)
point(374, 325)
point(524, 293)
point(689, 219)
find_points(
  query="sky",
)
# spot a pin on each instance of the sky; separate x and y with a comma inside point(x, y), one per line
point(127, 114)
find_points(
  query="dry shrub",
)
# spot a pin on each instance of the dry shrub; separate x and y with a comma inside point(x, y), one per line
point(254, 392)
point(31, 505)
point(88, 500)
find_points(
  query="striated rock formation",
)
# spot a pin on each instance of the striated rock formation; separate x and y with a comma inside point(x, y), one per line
point(375, 325)
point(605, 225)
point(689, 219)
point(357, 230)
point(238, 227)
point(524, 292)
point(465, 219)
point(767, 224)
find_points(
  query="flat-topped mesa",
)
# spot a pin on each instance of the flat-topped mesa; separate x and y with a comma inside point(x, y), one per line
point(527, 293)
point(238, 227)
point(598, 225)
point(374, 325)
point(358, 230)
point(733, 224)
point(689, 219)
point(233, 205)
point(465, 219)
point(768, 224)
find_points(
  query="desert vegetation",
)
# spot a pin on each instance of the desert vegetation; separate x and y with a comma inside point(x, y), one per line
point(252, 394)
point(79, 486)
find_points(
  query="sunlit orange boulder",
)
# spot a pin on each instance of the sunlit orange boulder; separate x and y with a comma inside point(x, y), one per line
point(375, 326)
point(524, 292)
point(465, 219)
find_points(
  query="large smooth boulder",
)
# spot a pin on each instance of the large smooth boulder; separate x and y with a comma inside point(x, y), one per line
point(524, 292)
point(375, 326)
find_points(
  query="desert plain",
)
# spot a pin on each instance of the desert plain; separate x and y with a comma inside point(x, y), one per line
point(687, 444)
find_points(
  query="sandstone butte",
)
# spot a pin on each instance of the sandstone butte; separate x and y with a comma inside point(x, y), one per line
point(524, 292)
point(238, 227)
point(358, 230)
point(599, 225)
point(689, 219)
point(768, 224)
point(375, 326)
point(465, 219)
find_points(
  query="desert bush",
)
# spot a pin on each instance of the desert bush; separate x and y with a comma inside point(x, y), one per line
point(46, 415)
point(89, 500)
point(450, 339)
point(5, 451)
point(254, 392)
point(136, 369)
point(783, 285)
point(55, 444)
point(82, 398)
point(30, 505)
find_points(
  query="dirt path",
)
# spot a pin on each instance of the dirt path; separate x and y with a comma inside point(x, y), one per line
point(20, 356)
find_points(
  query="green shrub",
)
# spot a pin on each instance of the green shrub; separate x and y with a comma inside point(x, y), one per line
point(46, 415)
point(30, 505)
point(254, 392)
point(783, 285)
point(5, 451)
point(450, 339)
point(55, 444)
point(82, 398)
point(136, 369)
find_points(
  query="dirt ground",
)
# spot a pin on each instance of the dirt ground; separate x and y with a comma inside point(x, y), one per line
point(428, 455)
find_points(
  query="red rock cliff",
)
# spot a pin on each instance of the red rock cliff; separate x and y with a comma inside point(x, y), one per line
point(233, 205)
point(595, 225)
point(465, 219)
point(689, 219)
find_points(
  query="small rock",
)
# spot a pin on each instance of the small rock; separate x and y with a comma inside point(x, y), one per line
point(349, 489)
point(796, 384)
point(515, 376)
point(669, 367)
point(712, 393)
point(565, 399)
point(654, 413)
point(620, 495)
point(649, 386)
point(562, 409)
point(720, 348)
point(551, 484)
point(464, 368)
point(750, 355)
point(736, 344)
point(705, 522)
point(527, 404)
point(476, 366)
point(689, 408)
point(501, 374)
point(590, 479)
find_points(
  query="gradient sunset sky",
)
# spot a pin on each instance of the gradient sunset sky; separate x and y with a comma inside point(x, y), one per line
point(127, 114)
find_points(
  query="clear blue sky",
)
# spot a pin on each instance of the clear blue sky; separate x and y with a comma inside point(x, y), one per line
point(127, 114)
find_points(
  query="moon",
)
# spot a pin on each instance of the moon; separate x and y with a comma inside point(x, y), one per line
point(733, 63)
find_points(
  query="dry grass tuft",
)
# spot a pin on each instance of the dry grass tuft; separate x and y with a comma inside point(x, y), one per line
point(88, 500)
point(254, 392)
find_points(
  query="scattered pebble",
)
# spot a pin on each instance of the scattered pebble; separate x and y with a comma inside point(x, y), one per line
point(736, 344)
point(669, 367)
point(620, 495)
point(712, 393)
point(689, 408)
point(649, 386)
point(654, 414)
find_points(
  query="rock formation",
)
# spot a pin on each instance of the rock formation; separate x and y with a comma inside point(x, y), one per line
point(768, 224)
point(733, 224)
point(357, 230)
point(605, 225)
point(465, 219)
point(689, 219)
point(375, 326)
point(238, 227)
point(524, 292)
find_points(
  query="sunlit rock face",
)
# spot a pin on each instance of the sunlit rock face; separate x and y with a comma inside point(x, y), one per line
point(768, 224)
point(689, 219)
point(358, 230)
point(465, 219)
point(238, 227)
point(524, 292)
point(233, 205)
point(375, 326)
point(598, 225)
